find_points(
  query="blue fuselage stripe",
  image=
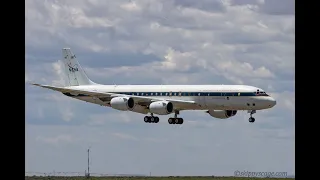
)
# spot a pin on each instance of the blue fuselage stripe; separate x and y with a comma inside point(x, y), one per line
point(182, 94)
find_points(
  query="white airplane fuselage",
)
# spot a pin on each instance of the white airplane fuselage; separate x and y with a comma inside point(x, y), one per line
point(218, 97)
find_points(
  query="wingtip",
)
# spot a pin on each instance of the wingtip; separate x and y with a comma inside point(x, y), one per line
point(29, 82)
point(34, 84)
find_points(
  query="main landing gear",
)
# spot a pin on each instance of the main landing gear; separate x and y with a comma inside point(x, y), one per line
point(175, 120)
point(151, 119)
point(251, 119)
point(155, 119)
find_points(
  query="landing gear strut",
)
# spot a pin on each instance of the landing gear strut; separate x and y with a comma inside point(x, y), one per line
point(151, 119)
point(175, 120)
point(251, 119)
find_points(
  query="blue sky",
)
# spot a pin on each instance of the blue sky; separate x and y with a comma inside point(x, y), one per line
point(160, 42)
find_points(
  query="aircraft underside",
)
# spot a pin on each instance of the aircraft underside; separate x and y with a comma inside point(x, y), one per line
point(143, 108)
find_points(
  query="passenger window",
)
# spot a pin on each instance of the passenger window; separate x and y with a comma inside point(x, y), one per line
point(180, 94)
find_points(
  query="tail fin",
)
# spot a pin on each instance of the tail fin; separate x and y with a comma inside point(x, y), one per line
point(74, 72)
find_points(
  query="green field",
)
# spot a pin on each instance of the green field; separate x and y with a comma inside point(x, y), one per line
point(149, 178)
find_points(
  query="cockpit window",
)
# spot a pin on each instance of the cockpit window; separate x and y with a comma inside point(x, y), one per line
point(262, 93)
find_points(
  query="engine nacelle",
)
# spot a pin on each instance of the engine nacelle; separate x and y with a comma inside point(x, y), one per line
point(161, 107)
point(222, 114)
point(122, 103)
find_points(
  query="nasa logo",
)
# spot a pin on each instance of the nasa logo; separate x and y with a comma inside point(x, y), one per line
point(73, 69)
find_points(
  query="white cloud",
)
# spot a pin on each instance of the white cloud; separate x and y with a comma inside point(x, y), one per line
point(130, 6)
point(285, 100)
point(101, 119)
point(124, 136)
point(189, 42)
point(59, 71)
point(64, 105)
point(55, 140)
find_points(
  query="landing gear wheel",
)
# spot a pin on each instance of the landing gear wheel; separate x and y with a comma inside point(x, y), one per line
point(152, 119)
point(146, 119)
point(180, 121)
point(252, 119)
point(156, 119)
point(177, 120)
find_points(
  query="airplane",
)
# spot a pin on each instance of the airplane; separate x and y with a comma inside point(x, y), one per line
point(219, 101)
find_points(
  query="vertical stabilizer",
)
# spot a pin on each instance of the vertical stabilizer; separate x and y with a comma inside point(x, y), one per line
point(76, 75)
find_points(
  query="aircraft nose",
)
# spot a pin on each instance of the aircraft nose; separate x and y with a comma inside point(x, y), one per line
point(272, 102)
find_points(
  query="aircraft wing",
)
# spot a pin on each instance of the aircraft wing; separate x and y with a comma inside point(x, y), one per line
point(139, 99)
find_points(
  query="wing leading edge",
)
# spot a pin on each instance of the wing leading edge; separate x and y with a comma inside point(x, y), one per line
point(108, 94)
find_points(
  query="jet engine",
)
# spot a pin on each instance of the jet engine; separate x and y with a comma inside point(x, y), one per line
point(222, 114)
point(161, 107)
point(122, 103)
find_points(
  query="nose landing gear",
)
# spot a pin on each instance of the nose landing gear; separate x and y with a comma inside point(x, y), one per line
point(251, 119)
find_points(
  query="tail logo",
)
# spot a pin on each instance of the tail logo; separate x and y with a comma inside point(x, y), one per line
point(74, 68)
